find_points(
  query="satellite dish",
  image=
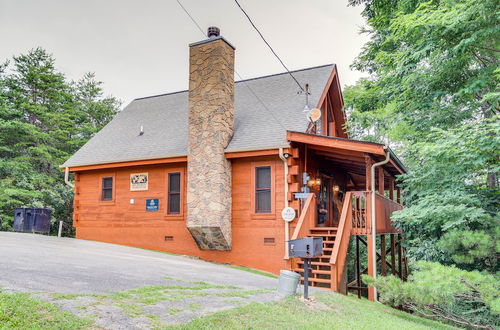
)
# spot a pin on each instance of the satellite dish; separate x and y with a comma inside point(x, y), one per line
point(314, 114)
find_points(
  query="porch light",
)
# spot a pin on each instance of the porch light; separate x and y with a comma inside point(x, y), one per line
point(314, 183)
point(336, 188)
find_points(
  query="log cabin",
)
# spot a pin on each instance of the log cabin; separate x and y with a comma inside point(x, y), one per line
point(207, 172)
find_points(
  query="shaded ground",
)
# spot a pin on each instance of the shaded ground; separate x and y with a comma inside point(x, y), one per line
point(122, 287)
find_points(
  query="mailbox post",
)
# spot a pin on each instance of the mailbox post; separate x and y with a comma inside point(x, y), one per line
point(306, 249)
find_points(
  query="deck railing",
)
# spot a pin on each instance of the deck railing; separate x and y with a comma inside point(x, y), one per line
point(355, 220)
point(384, 207)
point(339, 253)
point(359, 205)
point(307, 218)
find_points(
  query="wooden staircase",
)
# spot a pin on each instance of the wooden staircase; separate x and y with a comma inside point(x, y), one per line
point(321, 273)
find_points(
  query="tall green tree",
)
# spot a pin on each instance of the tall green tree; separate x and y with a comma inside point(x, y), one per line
point(44, 118)
point(432, 91)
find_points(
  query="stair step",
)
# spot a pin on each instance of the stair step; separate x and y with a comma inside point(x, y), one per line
point(328, 242)
point(314, 271)
point(315, 263)
point(318, 280)
point(320, 235)
point(324, 228)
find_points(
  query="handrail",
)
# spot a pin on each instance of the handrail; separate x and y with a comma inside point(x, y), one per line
point(305, 212)
point(344, 228)
point(341, 244)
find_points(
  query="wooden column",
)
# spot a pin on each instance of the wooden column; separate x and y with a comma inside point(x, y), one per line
point(369, 241)
point(371, 264)
point(381, 188)
point(368, 165)
point(393, 254)
point(358, 268)
point(391, 187)
point(382, 255)
point(398, 197)
point(400, 257)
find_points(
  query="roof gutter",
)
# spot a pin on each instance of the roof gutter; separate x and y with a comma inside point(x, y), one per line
point(373, 215)
point(66, 178)
point(287, 226)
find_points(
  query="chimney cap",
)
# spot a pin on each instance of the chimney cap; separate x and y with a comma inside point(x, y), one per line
point(213, 32)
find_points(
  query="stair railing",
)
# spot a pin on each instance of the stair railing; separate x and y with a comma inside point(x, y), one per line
point(307, 218)
point(339, 252)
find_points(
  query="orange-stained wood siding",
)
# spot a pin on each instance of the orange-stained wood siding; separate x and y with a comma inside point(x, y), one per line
point(120, 222)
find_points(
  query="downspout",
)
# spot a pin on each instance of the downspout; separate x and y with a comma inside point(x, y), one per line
point(66, 178)
point(374, 216)
point(287, 227)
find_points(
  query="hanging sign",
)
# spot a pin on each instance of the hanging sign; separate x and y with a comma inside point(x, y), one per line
point(138, 181)
point(152, 205)
point(288, 214)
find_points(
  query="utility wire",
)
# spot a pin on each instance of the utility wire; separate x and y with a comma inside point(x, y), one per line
point(268, 45)
point(191, 17)
point(239, 76)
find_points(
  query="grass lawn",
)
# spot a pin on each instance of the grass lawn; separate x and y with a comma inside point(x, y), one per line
point(330, 311)
point(20, 311)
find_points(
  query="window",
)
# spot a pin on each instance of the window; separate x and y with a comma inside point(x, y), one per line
point(263, 198)
point(107, 189)
point(174, 193)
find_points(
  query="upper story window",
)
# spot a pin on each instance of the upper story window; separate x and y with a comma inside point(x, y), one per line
point(263, 197)
point(107, 189)
point(174, 193)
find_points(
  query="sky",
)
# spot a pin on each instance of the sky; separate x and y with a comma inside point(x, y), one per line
point(140, 47)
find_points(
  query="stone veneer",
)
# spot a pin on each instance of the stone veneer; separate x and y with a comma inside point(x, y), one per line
point(211, 111)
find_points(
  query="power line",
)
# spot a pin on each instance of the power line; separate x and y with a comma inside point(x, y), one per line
point(191, 17)
point(268, 45)
point(239, 76)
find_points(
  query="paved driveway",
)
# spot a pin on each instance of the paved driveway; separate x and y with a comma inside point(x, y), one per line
point(124, 287)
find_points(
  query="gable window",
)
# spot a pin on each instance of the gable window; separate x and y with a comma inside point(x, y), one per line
point(107, 189)
point(263, 197)
point(174, 193)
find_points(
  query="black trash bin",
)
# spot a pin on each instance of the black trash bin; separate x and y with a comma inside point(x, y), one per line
point(32, 220)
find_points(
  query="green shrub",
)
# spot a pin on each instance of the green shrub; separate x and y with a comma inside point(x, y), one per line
point(469, 299)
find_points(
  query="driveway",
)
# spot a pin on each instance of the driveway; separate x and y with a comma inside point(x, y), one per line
point(123, 287)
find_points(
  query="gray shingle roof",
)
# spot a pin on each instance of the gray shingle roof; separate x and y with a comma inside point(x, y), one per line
point(164, 118)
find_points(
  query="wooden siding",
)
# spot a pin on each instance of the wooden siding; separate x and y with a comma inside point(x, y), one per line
point(120, 222)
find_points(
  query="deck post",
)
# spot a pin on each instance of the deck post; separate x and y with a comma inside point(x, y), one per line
point(381, 187)
point(393, 254)
point(358, 270)
point(371, 266)
point(368, 165)
point(370, 254)
point(391, 187)
point(383, 255)
point(400, 257)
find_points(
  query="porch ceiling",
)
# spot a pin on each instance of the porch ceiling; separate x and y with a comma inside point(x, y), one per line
point(348, 155)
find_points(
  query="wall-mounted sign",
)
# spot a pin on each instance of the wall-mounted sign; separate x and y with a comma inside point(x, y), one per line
point(288, 214)
point(138, 181)
point(152, 205)
point(300, 195)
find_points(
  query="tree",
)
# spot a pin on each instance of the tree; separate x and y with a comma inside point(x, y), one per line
point(43, 120)
point(452, 214)
point(466, 299)
point(433, 92)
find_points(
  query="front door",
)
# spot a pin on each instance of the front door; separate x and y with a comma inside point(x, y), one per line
point(325, 202)
point(330, 201)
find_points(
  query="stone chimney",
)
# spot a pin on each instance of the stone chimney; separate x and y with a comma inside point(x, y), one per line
point(211, 112)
